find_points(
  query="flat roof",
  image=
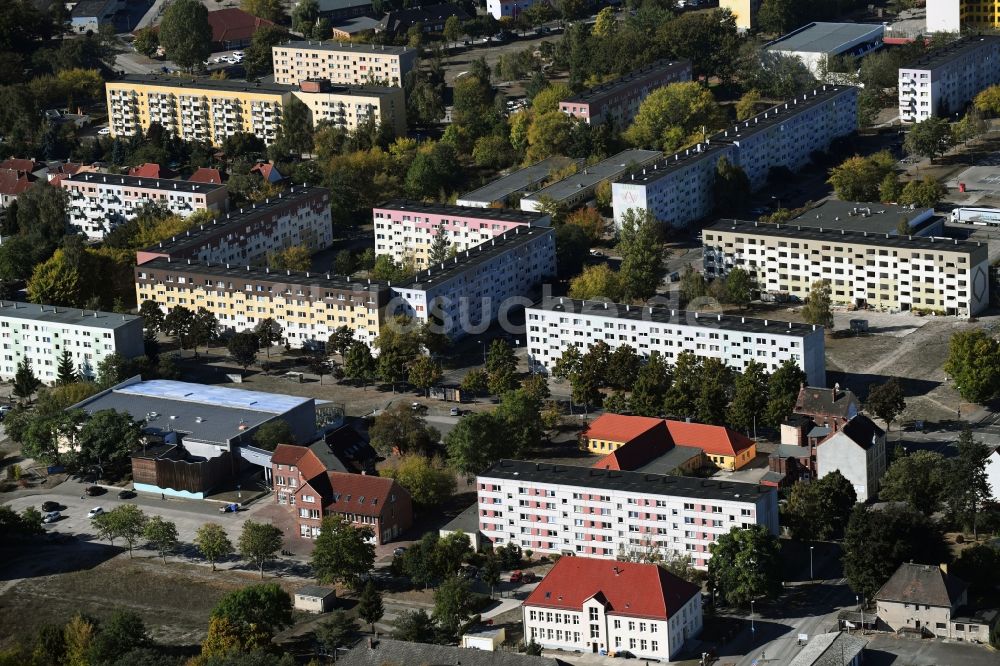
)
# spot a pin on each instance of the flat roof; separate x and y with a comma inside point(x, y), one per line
point(780, 113)
point(355, 25)
point(857, 216)
point(671, 460)
point(332, 45)
point(235, 218)
point(663, 167)
point(797, 232)
point(138, 181)
point(590, 176)
point(206, 413)
point(473, 257)
point(240, 271)
point(951, 51)
point(665, 315)
point(519, 180)
point(634, 482)
point(832, 38)
point(500, 214)
point(467, 522)
point(50, 314)
point(204, 83)
point(611, 87)
point(342, 89)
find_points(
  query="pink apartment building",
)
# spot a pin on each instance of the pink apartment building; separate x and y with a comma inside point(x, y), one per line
point(406, 229)
point(618, 101)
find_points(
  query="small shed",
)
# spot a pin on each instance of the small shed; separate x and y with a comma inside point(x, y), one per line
point(315, 599)
point(485, 638)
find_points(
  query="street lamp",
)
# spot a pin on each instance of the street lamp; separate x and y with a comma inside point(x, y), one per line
point(483, 343)
point(753, 629)
point(811, 577)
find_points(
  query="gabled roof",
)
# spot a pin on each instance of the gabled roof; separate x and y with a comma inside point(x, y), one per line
point(922, 584)
point(638, 452)
point(234, 25)
point(862, 431)
point(147, 170)
point(13, 182)
point(629, 588)
point(206, 175)
point(268, 171)
point(302, 457)
point(621, 428)
point(835, 649)
point(827, 401)
point(712, 439)
point(360, 493)
point(21, 164)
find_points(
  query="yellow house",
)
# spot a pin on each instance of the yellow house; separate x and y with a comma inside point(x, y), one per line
point(609, 432)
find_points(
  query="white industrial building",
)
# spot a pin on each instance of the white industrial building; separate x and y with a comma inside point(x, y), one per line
point(578, 188)
point(582, 511)
point(556, 324)
point(99, 202)
point(41, 333)
point(946, 79)
point(944, 15)
point(678, 189)
point(816, 43)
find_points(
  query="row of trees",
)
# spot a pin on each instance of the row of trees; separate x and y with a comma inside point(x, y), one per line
point(874, 178)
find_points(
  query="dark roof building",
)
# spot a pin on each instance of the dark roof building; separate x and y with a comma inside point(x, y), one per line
point(431, 17)
point(923, 584)
point(334, 10)
point(233, 28)
point(832, 407)
point(382, 651)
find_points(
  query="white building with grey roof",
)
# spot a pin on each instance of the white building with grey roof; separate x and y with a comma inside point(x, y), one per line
point(816, 43)
point(41, 334)
point(347, 63)
point(578, 188)
point(555, 324)
point(502, 190)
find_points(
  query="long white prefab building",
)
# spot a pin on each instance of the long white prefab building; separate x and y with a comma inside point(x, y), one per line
point(556, 324)
point(678, 189)
point(946, 79)
point(586, 512)
point(41, 333)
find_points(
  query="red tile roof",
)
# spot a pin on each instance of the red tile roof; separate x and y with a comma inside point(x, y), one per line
point(13, 182)
point(713, 440)
point(360, 493)
point(234, 25)
point(638, 452)
point(147, 170)
point(267, 171)
point(206, 175)
point(630, 588)
point(20, 164)
point(307, 462)
point(619, 428)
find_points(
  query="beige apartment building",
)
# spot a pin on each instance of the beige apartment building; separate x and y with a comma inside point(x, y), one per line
point(340, 63)
point(350, 106)
point(864, 269)
point(745, 12)
point(307, 306)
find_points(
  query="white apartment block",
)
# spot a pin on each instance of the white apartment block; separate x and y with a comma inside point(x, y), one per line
point(593, 605)
point(340, 63)
point(865, 270)
point(948, 78)
point(406, 229)
point(298, 216)
point(585, 512)
point(467, 293)
point(41, 333)
point(556, 324)
point(99, 202)
point(678, 189)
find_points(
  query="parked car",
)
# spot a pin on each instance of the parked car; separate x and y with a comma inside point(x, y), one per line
point(455, 411)
point(516, 576)
point(93, 491)
point(528, 577)
point(104, 131)
point(95, 512)
point(398, 551)
point(238, 54)
point(51, 517)
point(126, 494)
point(229, 508)
point(50, 506)
point(624, 654)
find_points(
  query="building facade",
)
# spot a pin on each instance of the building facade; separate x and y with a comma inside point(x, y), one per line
point(470, 291)
point(349, 107)
point(602, 513)
point(509, 9)
point(946, 79)
point(592, 605)
point(745, 12)
point(816, 43)
point(618, 101)
point(864, 270)
point(99, 202)
point(558, 323)
point(308, 306)
point(299, 215)
point(406, 230)
point(857, 451)
point(342, 64)
point(958, 15)
point(41, 333)
point(678, 189)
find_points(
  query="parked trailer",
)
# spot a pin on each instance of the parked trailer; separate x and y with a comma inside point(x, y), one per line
point(978, 216)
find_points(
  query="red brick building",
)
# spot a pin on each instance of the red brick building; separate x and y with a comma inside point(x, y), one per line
point(304, 484)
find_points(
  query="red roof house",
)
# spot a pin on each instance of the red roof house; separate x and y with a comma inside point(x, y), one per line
point(618, 607)
point(147, 170)
point(233, 28)
point(12, 183)
point(724, 447)
point(611, 431)
point(21, 164)
point(206, 175)
point(267, 171)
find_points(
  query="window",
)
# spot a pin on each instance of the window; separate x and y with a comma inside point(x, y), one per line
point(655, 646)
point(593, 614)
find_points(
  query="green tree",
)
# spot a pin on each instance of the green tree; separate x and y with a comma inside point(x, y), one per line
point(113, 369)
point(107, 438)
point(651, 386)
point(731, 188)
point(783, 391)
point(263, 607)
point(452, 29)
point(428, 481)
point(501, 367)
point(820, 510)
point(549, 134)
point(475, 443)
point(714, 391)
point(359, 364)
point(295, 136)
point(340, 631)
point(571, 248)
point(304, 18)
point(977, 566)
point(414, 626)
point(272, 10)
point(674, 116)
point(817, 309)
point(425, 373)
point(988, 101)
point(125, 521)
point(440, 248)
point(519, 414)
point(886, 400)
point(968, 486)
point(370, 608)
point(739, 287)
point(66, 369)
point(78, 637)
point(639, 242)
point(25, 381)
point(272, 433)
point(212, 541)
point(889, 191)
point(453, 604)
point(928, 138)
point(926, 193)
point(243, 348)
point(152, 316)
point(476, 381)
point(598, 281)
point(917, 478)
point(118, 635)
point(343, 552)
point(162, 534)
point(746, 107)
point(185, 33)
point(878, 541)
point(750, 393)
point(180, 323)
point(259, 543)
point(340, 341)
point(268, 332)
point(859, 178)
point(777, 16)
point(973, 363)
point(403, 429)
point(745, 565)
point(146, 42)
